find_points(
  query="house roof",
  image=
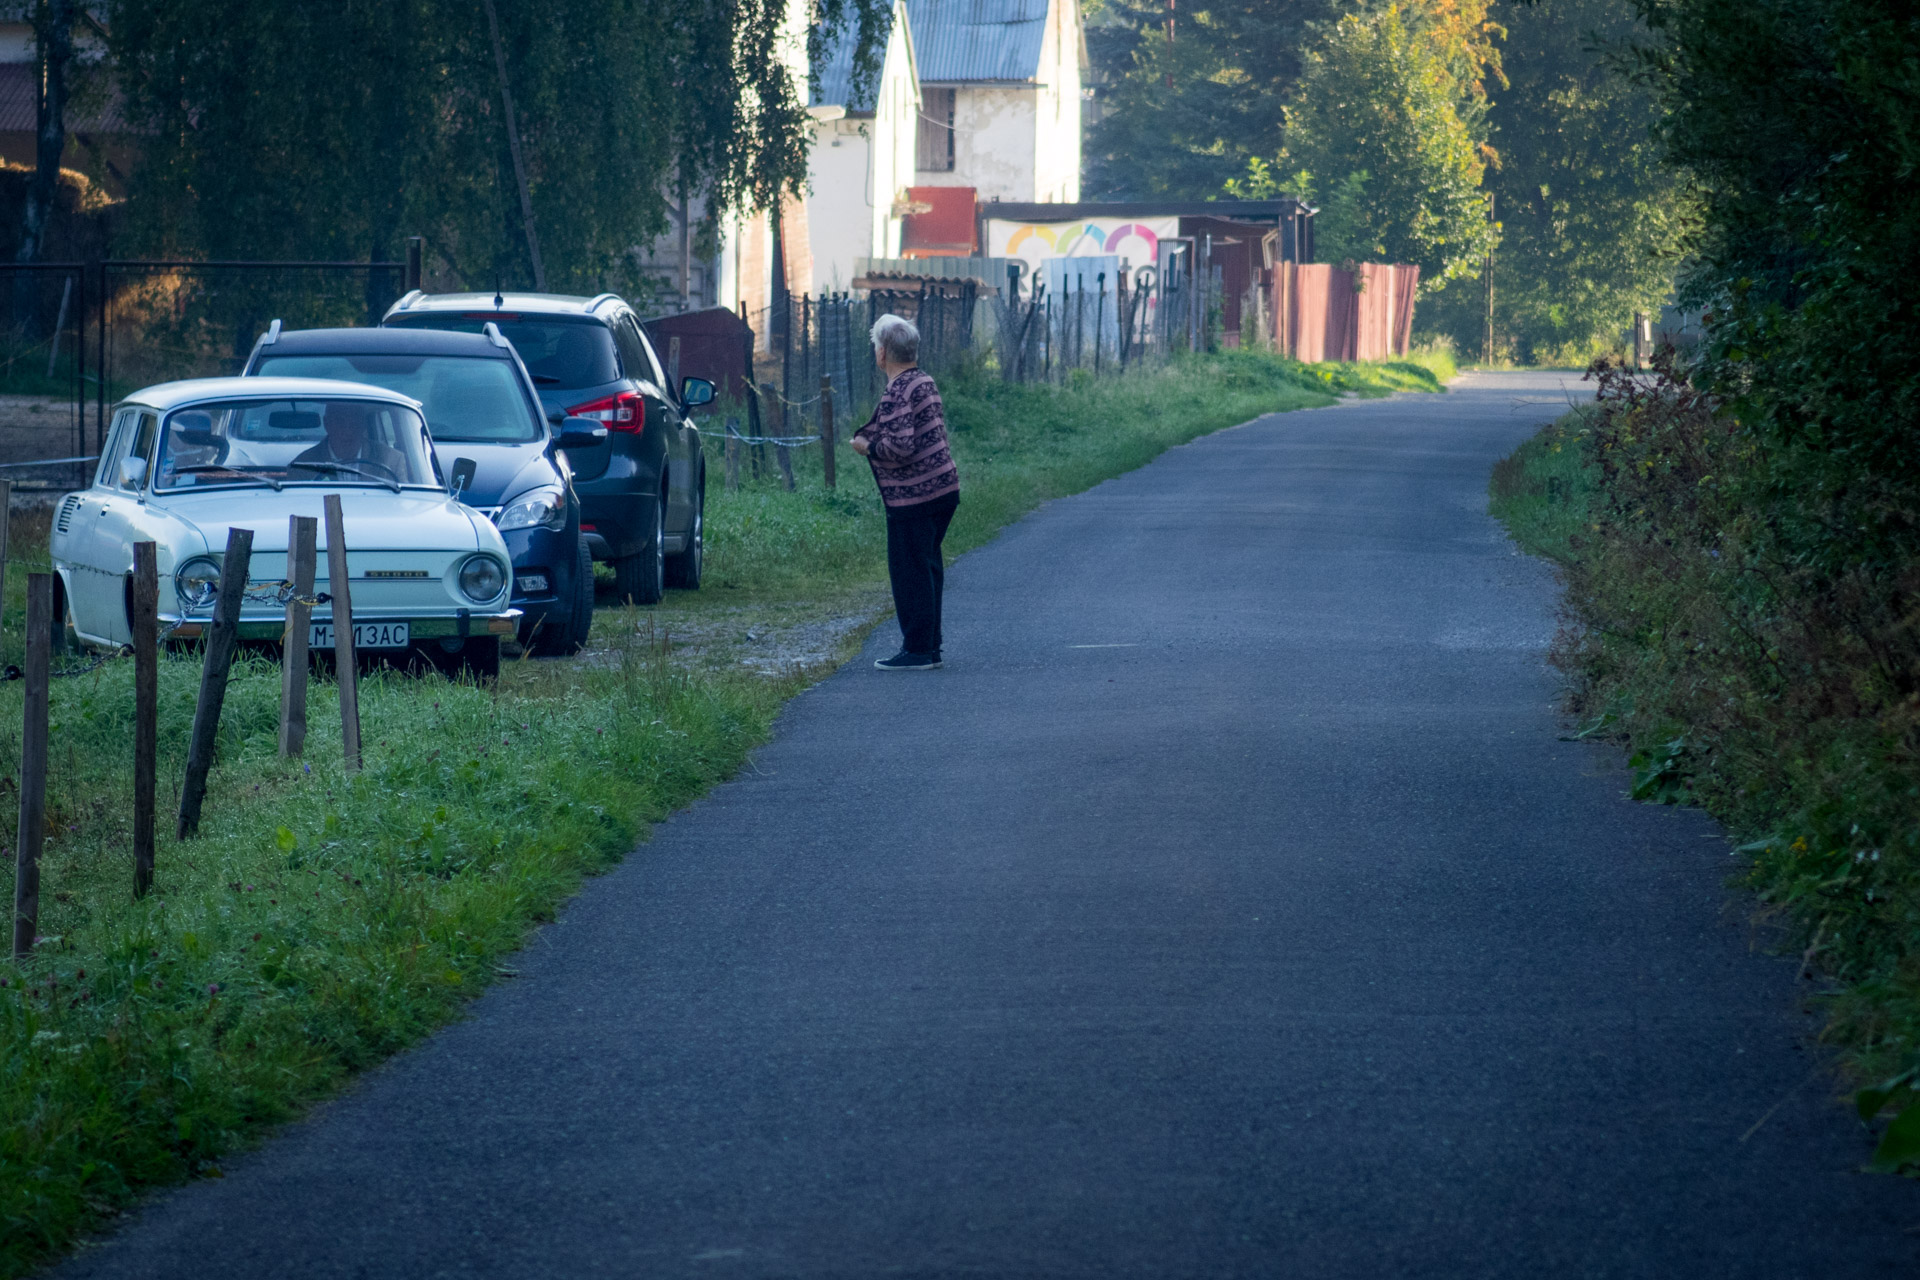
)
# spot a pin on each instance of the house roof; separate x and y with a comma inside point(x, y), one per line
point(837, 88)
point(20, 105)
point(990, 41)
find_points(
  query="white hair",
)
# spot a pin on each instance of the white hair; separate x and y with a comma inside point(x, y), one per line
point(897, 339)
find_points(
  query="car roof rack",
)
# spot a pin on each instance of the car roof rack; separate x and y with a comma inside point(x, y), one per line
point(594, 303)
point(409, 298)
point(494, 335)
point(272, 335)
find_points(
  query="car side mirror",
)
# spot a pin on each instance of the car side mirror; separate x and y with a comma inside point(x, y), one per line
point(580, 433)
point(132, 472)
point(695, 391)
point(463, 473)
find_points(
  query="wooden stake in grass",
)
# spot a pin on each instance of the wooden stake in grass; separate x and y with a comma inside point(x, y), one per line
point(301, 532)
point(733, 457)
point(223, 637)
point(771, 399)
point(6, 520)
point(344, 669)
point(32, 833)
point(826, 427)
point(146, 708)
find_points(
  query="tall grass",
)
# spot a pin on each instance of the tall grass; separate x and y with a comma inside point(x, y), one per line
point(323, 920)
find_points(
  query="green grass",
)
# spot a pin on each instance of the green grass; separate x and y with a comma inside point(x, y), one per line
point(322, 921)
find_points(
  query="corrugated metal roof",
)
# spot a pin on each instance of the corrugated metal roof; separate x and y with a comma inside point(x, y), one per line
point(836, 72)
point(20, 105)
point(956, 41)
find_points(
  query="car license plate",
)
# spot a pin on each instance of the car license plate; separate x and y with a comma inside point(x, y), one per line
point(366, 635)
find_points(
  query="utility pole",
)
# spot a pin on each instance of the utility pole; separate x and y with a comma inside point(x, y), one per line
point(513, 146)
point(1489, 274)
point(686, 250)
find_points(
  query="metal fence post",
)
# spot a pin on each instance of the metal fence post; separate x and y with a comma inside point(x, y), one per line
point(826, 428)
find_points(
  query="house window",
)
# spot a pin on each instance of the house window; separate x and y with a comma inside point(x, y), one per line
point(934, 152)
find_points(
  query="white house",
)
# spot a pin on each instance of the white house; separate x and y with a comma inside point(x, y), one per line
point(1000, 85)
point(863, 156)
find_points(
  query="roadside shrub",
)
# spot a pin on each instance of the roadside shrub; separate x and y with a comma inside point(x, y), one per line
point(1776, 689)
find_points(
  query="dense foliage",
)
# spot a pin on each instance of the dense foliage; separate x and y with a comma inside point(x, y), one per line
point(1748, 572)
point(1191, 94)
point(1385, 133)
point(1590, 219)
point(306, 131)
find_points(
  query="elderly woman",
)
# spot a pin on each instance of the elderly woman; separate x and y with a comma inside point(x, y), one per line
point(906, 444)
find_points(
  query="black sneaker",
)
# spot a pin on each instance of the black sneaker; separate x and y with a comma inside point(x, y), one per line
point(904, 661)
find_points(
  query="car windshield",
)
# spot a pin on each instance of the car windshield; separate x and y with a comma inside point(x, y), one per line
point(561, 354)
point(279, 442)
point(465, 398)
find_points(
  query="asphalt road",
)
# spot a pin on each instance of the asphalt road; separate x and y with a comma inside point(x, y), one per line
point(1229, 906)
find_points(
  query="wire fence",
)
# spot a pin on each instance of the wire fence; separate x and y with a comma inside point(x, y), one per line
point(79, 335)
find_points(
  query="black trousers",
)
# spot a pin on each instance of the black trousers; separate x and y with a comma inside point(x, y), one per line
point(919, 574)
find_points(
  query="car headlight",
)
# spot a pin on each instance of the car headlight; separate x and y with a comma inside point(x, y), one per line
point(544, 508)
point(196, 583)
point(482, 578)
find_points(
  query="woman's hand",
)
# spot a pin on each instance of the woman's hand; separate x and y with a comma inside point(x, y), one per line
point(860, 445)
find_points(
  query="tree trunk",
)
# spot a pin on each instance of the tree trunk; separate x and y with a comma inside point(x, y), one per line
point(53, 33)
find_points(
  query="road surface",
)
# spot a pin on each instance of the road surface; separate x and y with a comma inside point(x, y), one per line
point(1229, 906)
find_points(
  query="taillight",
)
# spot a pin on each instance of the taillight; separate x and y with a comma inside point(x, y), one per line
point(624, 412)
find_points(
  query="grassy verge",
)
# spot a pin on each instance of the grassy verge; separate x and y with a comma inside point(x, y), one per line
point(322, 921)
point(1775, 720)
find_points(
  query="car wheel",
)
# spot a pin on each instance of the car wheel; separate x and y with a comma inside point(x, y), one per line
point(583, 599)
point(684, 569)
point(562, 635)
point(641, 578)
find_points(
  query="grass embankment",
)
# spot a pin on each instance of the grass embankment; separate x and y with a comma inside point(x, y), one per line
point(322, 921)
point(1774, 717)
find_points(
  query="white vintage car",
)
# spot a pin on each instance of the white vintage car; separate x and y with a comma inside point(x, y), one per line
point(186, 461)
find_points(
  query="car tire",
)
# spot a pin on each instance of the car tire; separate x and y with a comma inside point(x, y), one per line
point(583, 598)
point(561, 637)
point(641, 579)
point(684, 570)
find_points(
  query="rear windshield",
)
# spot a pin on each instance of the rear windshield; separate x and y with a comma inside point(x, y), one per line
point(561, 354)
point(465, 398)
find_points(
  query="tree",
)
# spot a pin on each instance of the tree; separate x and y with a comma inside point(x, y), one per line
point(1386, 129)
point(1192, 94)
point(53, 22)
point(333, 131)
point(1590, 219)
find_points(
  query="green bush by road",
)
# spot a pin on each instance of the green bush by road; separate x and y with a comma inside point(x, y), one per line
point(322, 921)
point(1774, 696)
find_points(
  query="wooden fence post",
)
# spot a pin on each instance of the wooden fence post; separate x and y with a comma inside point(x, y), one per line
point(301, 531)
point(32, 833)
point(223, 637)
point(344, 669)
point(826, 427)
point(779, 429)
point(146, 708)
point(733, 455)
point(6, 523)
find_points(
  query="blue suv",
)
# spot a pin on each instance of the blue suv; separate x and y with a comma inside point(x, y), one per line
point(490, 437)
point(643, 492)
